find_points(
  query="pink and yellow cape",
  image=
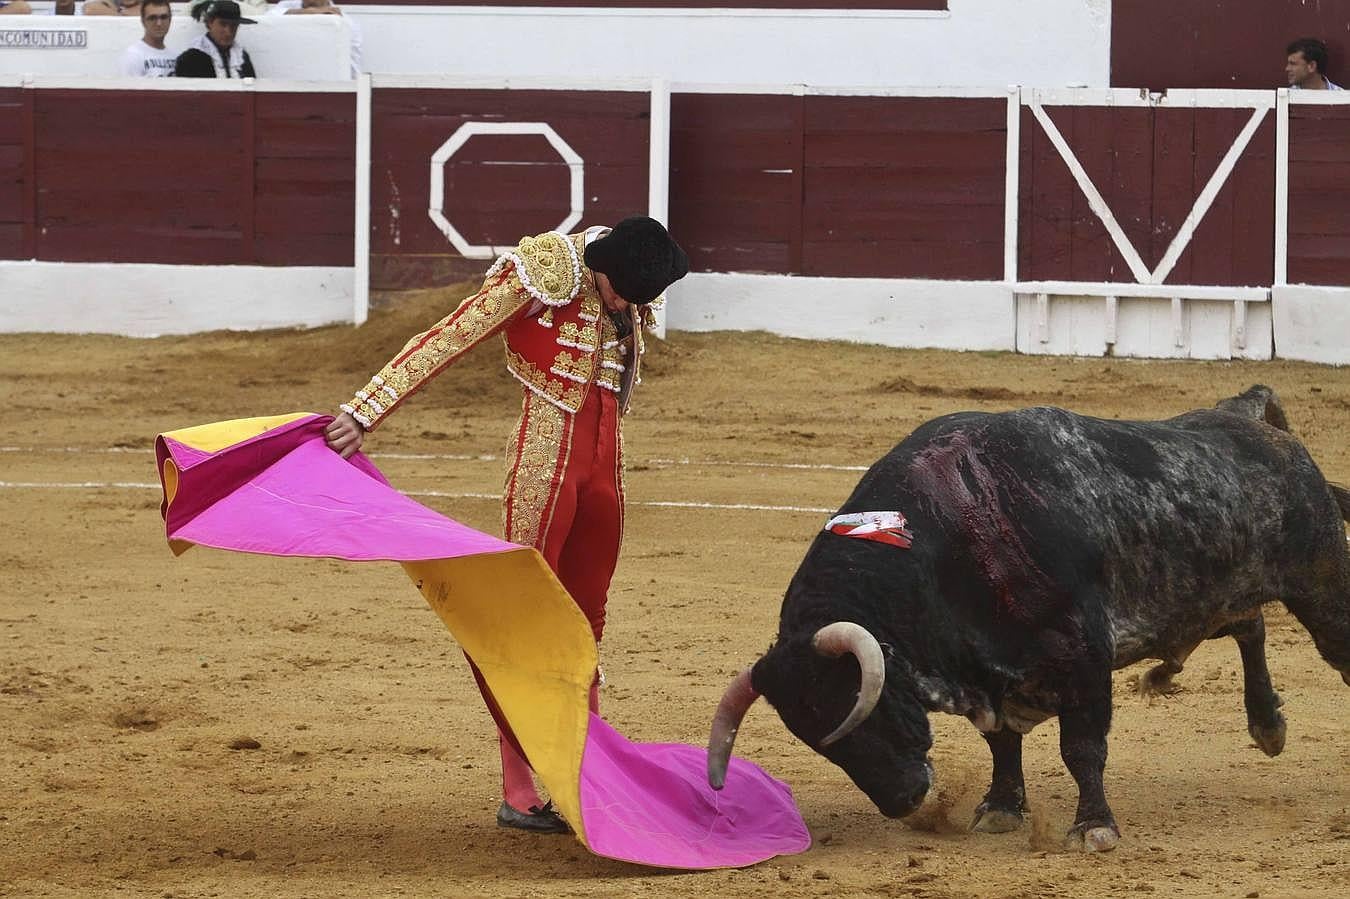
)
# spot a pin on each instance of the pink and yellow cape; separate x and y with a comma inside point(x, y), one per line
point(271, 486)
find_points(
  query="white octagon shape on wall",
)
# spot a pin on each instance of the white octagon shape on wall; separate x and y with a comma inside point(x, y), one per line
point(459, 139)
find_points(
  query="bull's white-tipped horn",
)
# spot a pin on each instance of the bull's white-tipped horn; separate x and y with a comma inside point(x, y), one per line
point(834, 640)
point(736, 701)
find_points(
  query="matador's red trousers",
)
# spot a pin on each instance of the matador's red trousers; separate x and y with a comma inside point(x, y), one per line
point(564, 497)
point(564, 494)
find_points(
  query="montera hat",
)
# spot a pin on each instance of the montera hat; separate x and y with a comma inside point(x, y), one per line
point(639, 258)
point(226, 11)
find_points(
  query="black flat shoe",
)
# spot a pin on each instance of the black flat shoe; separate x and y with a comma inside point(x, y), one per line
point(536, 820)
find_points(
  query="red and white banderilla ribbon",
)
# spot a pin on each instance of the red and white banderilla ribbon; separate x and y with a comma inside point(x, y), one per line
point(883, 527)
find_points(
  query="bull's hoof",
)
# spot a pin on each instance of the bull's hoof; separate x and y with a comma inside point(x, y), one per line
point(1269, 739)
point(995, 820)
point(1093, 838)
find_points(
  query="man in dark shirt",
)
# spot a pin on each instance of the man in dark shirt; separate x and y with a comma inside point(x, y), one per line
point(216, 54)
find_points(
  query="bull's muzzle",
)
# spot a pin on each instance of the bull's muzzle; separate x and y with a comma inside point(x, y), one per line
point(905, 797)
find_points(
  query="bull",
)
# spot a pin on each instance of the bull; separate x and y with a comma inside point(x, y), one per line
point(1049, 548)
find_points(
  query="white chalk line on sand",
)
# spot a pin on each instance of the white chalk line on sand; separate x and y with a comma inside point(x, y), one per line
point(463, 457)
point(439, 494)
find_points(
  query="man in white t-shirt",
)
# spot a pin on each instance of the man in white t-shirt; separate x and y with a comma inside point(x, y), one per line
point(148, 57)
point(323, 8)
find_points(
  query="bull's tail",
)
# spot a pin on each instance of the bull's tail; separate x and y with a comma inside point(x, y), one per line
point(1260, 403)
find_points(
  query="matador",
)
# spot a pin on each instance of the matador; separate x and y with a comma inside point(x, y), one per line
point(571, 310)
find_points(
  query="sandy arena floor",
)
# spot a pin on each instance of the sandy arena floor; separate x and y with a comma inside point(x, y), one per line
point(126, 675)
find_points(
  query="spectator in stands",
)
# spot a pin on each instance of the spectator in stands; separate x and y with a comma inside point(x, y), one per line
point(99, 8)
point(323, 8)
point(148, 57)
point(1305, 66)
point(256, 8)
point(128, 7)
point(14, 8)
point(217, 54)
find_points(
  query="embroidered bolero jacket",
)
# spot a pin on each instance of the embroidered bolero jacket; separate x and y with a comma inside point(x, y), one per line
point(542, 300)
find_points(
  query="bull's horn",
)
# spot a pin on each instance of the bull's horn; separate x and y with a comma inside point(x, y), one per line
point(834, 640)
point(736, 701)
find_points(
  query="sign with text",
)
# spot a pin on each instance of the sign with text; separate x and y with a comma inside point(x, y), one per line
point(43, 39)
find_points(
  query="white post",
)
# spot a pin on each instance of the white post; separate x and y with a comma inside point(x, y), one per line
point(361, 249)
point(1012, 161)
point(1282, 187)
point(658, 170)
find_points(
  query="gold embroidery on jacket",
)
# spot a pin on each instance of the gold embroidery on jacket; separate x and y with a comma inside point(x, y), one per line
point(573, 368)
point(474, 320)
point(590, 306)
point(549, 267)
point(613, 357)
point(568, 398)
point(531, 480)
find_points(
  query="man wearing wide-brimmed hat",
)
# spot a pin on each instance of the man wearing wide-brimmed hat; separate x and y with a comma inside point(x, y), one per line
point(571, 310)
point(217, 54)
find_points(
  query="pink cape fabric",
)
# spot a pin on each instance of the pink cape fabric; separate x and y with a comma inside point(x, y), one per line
point(285, 493)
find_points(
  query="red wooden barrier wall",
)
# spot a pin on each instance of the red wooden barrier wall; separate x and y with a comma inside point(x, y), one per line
point(736, 181)
point(1161, 44)
point(177, 177)
point(497, 187)
point(305, 178)
point(904, 187)
point(817, 185)
point(1319, 195)
point(1149, 164)
point(16, 233)
point(896, 187)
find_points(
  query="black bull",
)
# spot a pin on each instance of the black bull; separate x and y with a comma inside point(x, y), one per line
point(1049, 548)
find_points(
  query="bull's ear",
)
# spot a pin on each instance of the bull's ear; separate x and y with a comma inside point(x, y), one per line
point(757, 676)
point(772, 671)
